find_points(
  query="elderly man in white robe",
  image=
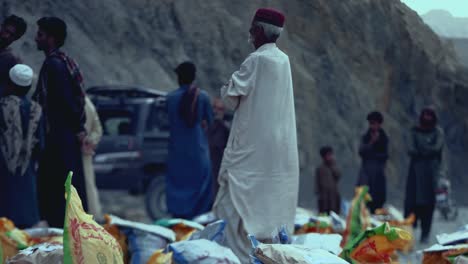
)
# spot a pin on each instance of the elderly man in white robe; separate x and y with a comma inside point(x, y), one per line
point(259, 175)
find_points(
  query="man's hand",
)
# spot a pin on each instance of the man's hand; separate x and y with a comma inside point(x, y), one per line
point(238, 101)
point(81, 136)
point(374, 137)
point(87, 147)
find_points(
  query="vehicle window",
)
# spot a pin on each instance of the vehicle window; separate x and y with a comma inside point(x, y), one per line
point(158, 120)
point(118, 122)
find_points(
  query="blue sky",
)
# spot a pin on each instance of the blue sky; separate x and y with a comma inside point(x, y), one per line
point(458, 8)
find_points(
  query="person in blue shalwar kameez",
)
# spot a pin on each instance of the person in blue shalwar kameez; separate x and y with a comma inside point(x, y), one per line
point(20, 144)
point(189, 181)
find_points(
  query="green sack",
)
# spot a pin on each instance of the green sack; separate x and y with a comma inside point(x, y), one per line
point(376, 245)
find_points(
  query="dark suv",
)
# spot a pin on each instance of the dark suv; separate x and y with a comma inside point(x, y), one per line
point(133, 151)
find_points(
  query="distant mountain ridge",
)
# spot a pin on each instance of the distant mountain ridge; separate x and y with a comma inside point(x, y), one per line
point(454, 29)
point(446, 25)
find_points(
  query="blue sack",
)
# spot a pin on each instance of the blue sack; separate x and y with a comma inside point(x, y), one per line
point(142, 245)
point(212, 232)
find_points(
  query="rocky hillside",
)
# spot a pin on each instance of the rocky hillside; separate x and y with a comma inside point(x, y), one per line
point(348, 58)
point(461, 48)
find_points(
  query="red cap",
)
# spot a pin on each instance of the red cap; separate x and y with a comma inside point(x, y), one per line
point(270, 16)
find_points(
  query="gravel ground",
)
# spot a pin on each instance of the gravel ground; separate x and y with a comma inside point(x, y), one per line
point(133, 208)
point(124, 205)
point(439, 226)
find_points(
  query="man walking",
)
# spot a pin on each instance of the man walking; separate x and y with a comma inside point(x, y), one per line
point(12, 29)
point(60, 93)
point(259, 175)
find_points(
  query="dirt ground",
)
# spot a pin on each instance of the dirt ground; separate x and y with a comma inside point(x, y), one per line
point(126, 206)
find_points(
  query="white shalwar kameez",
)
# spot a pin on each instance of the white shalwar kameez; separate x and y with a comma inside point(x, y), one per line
point(259, 175)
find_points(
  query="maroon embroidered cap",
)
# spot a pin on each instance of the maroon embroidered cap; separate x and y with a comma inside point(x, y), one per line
point(270, 16)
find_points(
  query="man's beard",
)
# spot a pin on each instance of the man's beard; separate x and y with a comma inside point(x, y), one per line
point(429, 123)
point(250, 40)
point(219, 116)
point(39, 47)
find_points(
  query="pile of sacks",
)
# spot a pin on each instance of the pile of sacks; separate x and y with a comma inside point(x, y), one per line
point(317, 239)
point(451, 248)
point(377, 245)
point(13, 240)
point(366, 240)
point(395, 218)
point(171, 241)
point(331, 239)
point(81, 241)
point(300, 249)
point(119, 241)
point(307, 222)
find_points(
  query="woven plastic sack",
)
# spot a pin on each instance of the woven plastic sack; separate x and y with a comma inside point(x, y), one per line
point(294, 254)
point(11, 239)
point(183, 229)
point(376, 245)
point(84, 240)
point(201, 252)
point(445, 254)
point(45, 235)
point(39, 254)
point(159, 257)
point(358, 219)
point(328, 242)
point(142, 245)
point(213, 232)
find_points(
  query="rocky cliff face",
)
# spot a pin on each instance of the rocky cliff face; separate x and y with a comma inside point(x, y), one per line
point(461, 48)
point(348, 58)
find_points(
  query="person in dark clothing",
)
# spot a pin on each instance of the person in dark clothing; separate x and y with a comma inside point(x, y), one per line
point(326, 183)
point(425, 171)
point(60, 93)
point(218, 135)
point(373, 150)
point(12, 29)
point(20, 145)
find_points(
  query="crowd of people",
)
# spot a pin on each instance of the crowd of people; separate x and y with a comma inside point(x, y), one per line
point(247, 173)
point(44, 136)
point(259, 174)
point(425, 172)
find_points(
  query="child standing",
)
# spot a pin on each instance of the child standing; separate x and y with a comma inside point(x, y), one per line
point(326, 183)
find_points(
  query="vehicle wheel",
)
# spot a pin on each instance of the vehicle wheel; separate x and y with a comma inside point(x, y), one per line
point(155, 199)
point(138, 189)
